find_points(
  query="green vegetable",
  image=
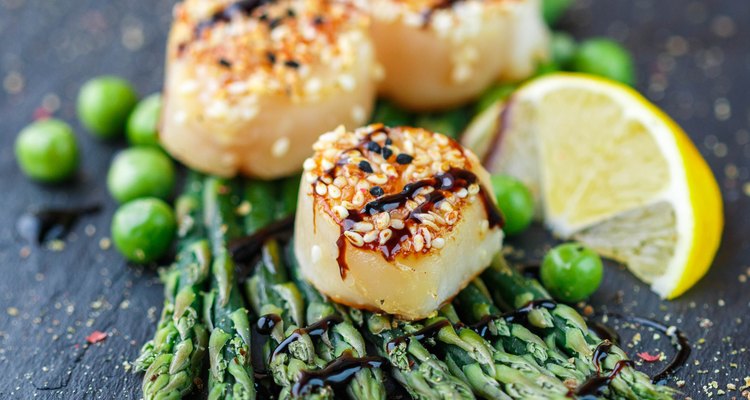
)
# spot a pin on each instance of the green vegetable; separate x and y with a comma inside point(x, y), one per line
point(104, 104)
point(607, 58)
point(571, 272)
point(141, 172)
point(173, 359)
point(552, 10)
point(494, 94)
point(515, 202)
point(562, 48)
point(390, 114)
point(143, 229)
point(567, 330)
point(231, 373)
point(143, 124)
point(450, 123)
point(47, 151)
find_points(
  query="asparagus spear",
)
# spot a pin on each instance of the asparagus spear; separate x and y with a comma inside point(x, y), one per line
point(231, 375)
point(475, 302)
point(174, 357)
point(344, 338)
point(567, 329)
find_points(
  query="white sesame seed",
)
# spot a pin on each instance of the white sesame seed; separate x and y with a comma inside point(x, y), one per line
point(438, 243)
point(358, 199)
point(355, 238)
point(377, 179)
point(341, 212)
point(462, 193)
point(473, 189)
point(309, 164)
point(382, 220)
point(384, 236)
point(397, 224)
point(321, 189)
point(362, 227)
point(334, 192)
point(418, 242)
point(371, 236)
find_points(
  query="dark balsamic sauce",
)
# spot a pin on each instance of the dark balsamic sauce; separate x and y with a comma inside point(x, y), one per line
point(316, 329)
point(263, 329)
point(335, 374)
point(425, 333)
point(519, 316)
point(595, 385)
point(679, 341)
point(51, 223)
point(246, 249)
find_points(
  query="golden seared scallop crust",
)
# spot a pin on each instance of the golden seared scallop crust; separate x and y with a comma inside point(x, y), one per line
point(437, 54)
point(394, 219)
point(251, 84)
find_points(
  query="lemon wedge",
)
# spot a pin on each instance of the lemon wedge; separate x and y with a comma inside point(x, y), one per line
point(611, 170)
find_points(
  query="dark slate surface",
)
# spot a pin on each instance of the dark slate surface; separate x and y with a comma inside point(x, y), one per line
point(693, 58)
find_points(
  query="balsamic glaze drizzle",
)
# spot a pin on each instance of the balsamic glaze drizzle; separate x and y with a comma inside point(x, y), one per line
point(679, 341)
point(316, 329)
point(336, 373)
point(245, 249)
point(597, 383)
point(262, 332)
point(51, 223)
point(425, 333)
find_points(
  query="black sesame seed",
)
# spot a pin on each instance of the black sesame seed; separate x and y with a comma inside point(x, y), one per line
point(376, 191)
point(374, 147)
point(263, 17)
point(365, 166)
point(318, 20)
point(271, 57)
point(290, 13)
point(274, 23)
point(387, 152)
point(291, 64)
point(225, 63)
point(404, 159)
point(388, 141)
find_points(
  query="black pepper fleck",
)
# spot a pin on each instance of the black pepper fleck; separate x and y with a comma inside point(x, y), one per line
point(318, 20)
point(290, 13)
point(274, 23)
point(365, 166)
point(271, 57)
point(404, 159)
point(291, 64)
point(225, 63)
point(387, 153)
point(376, 191)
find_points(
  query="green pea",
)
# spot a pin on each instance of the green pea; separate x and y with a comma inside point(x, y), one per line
point(545, 68)
point(143, 229)
point(515, 202)
point(552, 10)
point(104, 104)
point(493, 94)
point(571, 272)
point(562, 49)
point(47, 151)
point(142, 127)
point(140, 172)
point(607, 58)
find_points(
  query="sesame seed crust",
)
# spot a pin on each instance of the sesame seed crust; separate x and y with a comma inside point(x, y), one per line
point(304, 49)
point(401, 204)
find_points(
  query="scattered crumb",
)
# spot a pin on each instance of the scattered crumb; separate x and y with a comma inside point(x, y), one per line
point(105, 243)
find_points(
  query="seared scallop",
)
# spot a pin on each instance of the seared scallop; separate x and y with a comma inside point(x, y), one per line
point(251, 84)
point(396, 220)
point(437, 54)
